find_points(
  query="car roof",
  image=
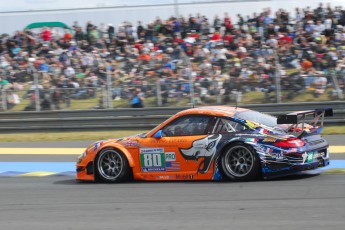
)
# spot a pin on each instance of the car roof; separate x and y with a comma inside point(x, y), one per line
point(214, 111)
point(221, 111)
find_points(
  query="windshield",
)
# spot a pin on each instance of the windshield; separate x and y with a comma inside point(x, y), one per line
point(261, 118)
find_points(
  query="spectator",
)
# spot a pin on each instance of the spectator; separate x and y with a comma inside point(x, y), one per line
point(217, 23)
point(46, 34)
point(320, 84)
point(306, 64)
point(68, 36)
point(295, 84)
point(170, 52)
point(137, 100)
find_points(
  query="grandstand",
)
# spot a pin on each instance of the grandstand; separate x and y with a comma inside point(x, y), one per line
point(269, 56)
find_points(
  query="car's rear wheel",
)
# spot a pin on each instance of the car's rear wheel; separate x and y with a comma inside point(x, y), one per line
point(111, 166)
point(240, 163)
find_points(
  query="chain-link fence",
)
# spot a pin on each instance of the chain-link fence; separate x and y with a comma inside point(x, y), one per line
point(224, 90)
point(53, 99)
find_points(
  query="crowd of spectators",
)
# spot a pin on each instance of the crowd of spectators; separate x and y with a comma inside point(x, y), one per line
point(223, 57)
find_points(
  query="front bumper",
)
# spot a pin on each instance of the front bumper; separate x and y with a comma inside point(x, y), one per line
point(85, 172)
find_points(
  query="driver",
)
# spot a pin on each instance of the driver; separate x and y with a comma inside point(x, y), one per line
point(178, 131)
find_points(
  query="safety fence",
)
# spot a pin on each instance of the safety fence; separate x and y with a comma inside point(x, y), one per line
point(173, 92)
point(140, 118)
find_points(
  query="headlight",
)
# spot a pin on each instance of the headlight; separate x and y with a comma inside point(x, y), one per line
point(82, 156)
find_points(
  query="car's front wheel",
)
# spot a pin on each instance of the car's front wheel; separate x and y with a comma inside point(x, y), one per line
point(111, 166)
point(240, 163)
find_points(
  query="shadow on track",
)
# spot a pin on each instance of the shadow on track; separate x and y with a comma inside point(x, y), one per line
point(300, 176)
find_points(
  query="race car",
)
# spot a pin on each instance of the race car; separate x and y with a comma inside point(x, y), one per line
point(212, 143)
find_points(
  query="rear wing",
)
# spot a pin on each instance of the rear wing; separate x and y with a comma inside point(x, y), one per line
point(296, 118)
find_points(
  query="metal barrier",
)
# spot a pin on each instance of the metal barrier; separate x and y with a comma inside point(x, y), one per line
point(143, 118)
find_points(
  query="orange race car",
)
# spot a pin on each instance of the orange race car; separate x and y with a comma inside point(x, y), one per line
point(211, 143)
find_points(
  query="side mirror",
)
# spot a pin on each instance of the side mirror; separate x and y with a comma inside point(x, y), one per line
point(159, 134)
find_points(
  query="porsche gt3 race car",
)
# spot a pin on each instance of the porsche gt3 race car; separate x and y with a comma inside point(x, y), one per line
point(212, 143)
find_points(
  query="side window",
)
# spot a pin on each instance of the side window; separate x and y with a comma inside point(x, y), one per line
point(187, 126)
point(228, 126)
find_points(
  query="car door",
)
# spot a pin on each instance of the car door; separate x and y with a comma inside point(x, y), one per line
point(180, 149)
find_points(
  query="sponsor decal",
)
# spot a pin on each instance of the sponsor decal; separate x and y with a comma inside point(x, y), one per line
point(97, 145)
point(269, 139)
point(251, 124)
point(183, 177)
point(250, 135)
point(165, 177)
point(262, 131)
point(260, 148)
point(310, 156)
point(305, 155)
point(130, 143)
point(267, 153)
point(170, 156)
point(167, 141)
point(279, 156)
point(172, 166)
point(272, 147)
point(152, 159)
point(204, 148)
point(292, 150)
point(217, 175)
point(253, 140)
point(317, 155)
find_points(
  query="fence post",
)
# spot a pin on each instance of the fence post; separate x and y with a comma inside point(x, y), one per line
point(109, 91)
point(190, 78)
point(336, 85)
point(104, 96)
point(159, 93)
point(191, 84)
point(4, 100)
point(277, 77)
point(37, 92)
point(219, 94)
point(189, 70)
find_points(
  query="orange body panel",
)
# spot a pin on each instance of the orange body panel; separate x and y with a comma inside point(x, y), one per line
point(83, 176)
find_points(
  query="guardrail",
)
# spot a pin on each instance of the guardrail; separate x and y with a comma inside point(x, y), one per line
point(144, 118)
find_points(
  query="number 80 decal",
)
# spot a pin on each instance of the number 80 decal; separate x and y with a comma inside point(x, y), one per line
point(152, 159)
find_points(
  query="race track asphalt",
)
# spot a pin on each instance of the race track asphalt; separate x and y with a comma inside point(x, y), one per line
point(56, 203)
point(312, 200)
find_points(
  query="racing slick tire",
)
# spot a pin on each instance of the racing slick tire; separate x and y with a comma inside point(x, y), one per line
point(240, 162)
point(111, 166)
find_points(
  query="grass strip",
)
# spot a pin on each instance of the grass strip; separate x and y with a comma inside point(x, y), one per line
point(335, 171)
point(100, 135)
point(66, 136)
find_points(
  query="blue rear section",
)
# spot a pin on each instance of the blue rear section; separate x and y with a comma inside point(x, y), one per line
point(276, 161)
